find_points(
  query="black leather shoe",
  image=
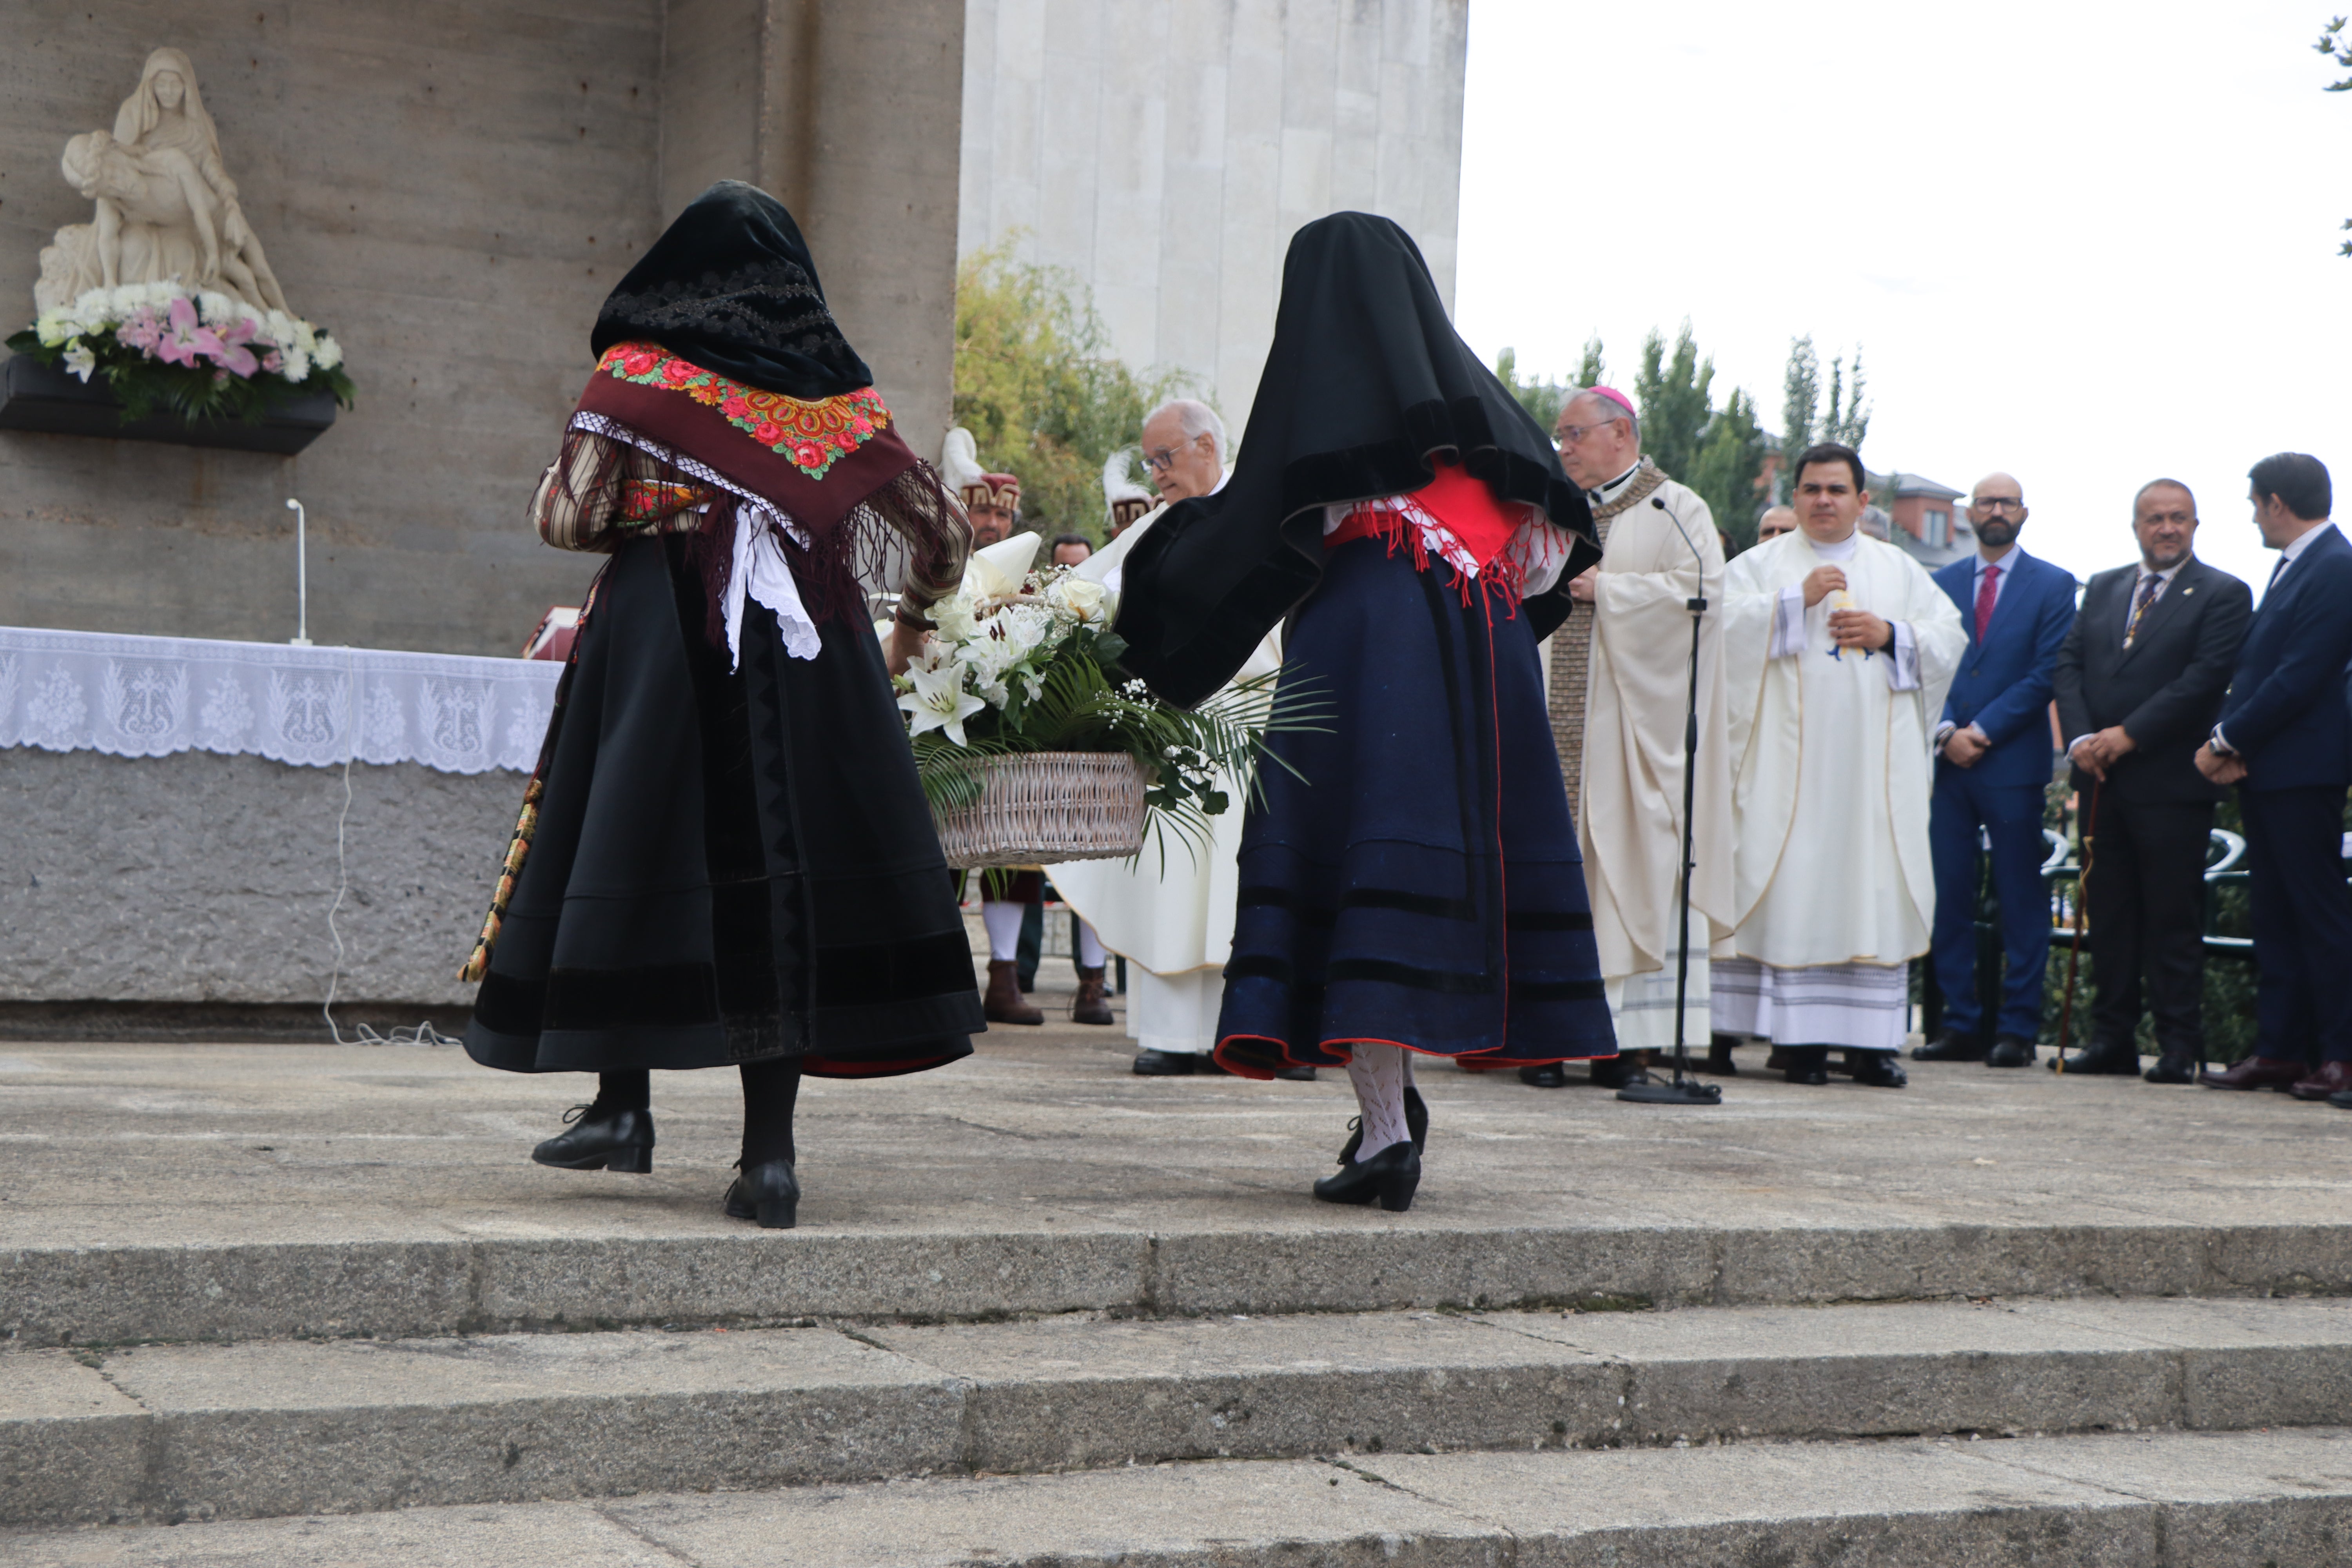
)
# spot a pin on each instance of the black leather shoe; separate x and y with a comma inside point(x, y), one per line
point(767, 1192)
point(1878, 1070)
point(2106, 1057)
point(1388, 1178)
point(1416, 1126)
point(1718, 1057)
point(1618, 1071)
point(1808, 1065)
point(1295, 1075)
point(1166, 1064)
point(1952, 1045)
point(2341, 1101)
point(1548, 1076)
point(2172, 1069)
point(2011, 1051)
point(623, 1141)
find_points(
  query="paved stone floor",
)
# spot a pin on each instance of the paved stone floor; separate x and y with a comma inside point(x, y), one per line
point(1045, 1130)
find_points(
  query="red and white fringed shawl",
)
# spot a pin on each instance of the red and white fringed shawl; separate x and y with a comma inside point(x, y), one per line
point(802, 502)
point(1511, 549)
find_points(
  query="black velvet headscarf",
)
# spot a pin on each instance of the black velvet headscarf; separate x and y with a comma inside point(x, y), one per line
point(1366, 378)
point(730, 286)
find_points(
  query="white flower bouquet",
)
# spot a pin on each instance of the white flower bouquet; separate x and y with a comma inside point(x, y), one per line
point(1024, 663)
point(201, 353)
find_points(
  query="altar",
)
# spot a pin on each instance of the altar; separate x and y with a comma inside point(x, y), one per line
point(209, 834)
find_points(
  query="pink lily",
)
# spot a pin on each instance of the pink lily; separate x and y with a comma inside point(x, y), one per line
point(225, 349)
point(178, 344)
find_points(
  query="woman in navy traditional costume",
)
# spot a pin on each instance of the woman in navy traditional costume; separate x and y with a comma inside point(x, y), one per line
point(1411, 882)
point(724, 857)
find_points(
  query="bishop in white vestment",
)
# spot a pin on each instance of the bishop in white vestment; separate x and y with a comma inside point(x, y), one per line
point(1659, 551)
point(1838, 651)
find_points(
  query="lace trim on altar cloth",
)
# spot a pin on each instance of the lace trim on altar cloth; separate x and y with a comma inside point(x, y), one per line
point(760, 570)
point(312, 707)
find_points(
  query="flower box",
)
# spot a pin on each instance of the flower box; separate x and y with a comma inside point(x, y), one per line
point(35, 396)
point(1042, 808)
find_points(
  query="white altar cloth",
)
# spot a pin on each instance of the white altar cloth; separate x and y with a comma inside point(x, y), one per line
point(314, 707)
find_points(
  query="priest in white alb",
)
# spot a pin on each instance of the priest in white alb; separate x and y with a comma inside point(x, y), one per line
point(1170, 912)
point(1659, 551)
point(1837, 651)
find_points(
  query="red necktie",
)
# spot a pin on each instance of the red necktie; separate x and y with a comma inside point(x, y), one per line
point(1988, 589)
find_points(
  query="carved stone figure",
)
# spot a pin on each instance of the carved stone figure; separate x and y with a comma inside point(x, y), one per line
point(166, 209)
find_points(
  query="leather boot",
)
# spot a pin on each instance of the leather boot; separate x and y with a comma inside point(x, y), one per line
point(1090, 1007)
point(1002, 1003)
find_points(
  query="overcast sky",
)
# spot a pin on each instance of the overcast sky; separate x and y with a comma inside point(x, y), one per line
point(2087, 245)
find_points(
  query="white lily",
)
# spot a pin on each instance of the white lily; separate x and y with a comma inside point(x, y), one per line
point(938, 701)
point(81, 360)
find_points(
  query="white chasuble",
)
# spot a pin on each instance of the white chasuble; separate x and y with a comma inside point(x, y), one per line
point(1832, 766)
point(1173, 915)
point(1657, 557)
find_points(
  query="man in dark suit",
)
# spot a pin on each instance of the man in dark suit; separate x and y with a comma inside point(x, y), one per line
point(2284, 741)
point(1993, 763)
point(2139, 684)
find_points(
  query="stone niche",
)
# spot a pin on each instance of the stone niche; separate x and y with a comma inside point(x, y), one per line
point(454, 200)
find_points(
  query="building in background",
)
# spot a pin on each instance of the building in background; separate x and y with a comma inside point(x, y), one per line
point(1163, 152)
point(1930, 521)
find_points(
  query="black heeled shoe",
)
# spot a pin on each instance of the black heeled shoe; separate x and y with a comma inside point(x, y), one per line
point(623, 1141)
point(1388, 1178)
point(1416, 1125)
point(767, 1192)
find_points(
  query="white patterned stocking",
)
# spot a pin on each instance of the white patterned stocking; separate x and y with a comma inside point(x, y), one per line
point(1379, 1073)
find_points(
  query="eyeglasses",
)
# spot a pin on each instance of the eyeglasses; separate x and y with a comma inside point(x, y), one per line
point(1569, 433)
point(1154, 462)
point(1997, 503)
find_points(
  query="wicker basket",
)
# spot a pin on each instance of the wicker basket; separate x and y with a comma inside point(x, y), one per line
point(1043, 807)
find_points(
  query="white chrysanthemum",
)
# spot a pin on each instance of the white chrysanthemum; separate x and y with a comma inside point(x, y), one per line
point(328, 353)
point(54, 328)
point(295, 365)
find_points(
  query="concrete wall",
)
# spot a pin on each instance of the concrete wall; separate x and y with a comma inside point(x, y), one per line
point(453, 189)
point(1165, 151)
point(200, 879)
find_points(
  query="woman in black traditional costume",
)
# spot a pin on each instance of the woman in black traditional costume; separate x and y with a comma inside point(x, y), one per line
point(1411, 882)
point(725, 858)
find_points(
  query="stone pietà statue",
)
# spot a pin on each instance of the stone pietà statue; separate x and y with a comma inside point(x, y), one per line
point(167, 209)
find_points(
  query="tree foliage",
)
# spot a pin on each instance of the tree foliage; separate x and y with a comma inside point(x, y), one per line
point(1717, 452)
point(1039, 388)
point(2333, 45)
point(1730, 461)
point(1802, 423)
point(1541, 399)
point(1676, 401)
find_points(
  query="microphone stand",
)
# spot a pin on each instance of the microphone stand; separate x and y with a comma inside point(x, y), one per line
point(1684, 1089)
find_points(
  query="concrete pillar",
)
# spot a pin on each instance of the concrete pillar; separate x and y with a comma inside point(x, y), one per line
point(861, 134)
point(851, 113)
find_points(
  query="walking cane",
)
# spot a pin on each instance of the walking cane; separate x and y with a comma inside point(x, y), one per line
point(2081, 899)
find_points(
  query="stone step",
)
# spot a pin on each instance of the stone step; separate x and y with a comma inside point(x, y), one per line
point(165, 1433)
point(2282, 1499)
point(1353, 1261)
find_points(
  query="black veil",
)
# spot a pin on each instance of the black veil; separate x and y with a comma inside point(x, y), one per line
point(730, 286)
point(1365, 379)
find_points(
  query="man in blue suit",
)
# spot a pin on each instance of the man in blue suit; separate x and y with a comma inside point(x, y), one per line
point(1994, 758)
point(2284, 741)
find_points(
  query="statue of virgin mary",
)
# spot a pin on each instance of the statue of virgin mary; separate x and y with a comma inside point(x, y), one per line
point(166, 208)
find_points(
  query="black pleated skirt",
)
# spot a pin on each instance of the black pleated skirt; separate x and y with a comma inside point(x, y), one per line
point(1412, 877)
point(728, 867)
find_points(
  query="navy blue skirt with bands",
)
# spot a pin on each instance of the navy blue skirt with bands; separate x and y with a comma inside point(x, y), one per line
point(1420, 884)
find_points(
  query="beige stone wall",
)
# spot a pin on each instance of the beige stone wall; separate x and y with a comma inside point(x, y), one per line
point(453, 189)
point(1165, 151)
